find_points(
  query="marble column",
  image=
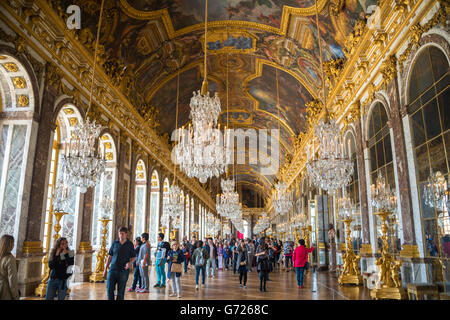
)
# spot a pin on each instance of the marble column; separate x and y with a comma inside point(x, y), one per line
point(29, 257)
point(366, 249)
point(409, 247)
point(83, 258)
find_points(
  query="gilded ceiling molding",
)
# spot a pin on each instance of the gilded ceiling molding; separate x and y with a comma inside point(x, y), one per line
point(164, 15)
point(128, 119)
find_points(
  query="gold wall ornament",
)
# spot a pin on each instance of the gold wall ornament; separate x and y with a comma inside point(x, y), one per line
point(354, 37)
point(109, 156)
point(336, 6)
point(30, 247)
point(85, 246)
point(2, 57)
point(42, 288)
point(332, 69)
point(19, 82)
point(313, 109)
point(97, 276)
point(402, 5)
point(73, 121)
point(351, 273)
point(355, 112)
point(389, 70)
point(11, 67)
point(389, 285)
point(23, 100)
point(409, 251)
point(53, 76)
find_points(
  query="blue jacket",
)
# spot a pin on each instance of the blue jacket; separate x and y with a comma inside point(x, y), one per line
point(174, 257)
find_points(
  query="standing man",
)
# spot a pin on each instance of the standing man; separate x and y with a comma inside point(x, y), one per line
point(121, 257)
point(250, 254)
point(212, 255)
point(143, 261)
point(161, 257)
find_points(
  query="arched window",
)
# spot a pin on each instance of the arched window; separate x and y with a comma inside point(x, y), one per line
point(429, 110)
point(16, 94)
point(68, 117)
point(104, 188)
point(381, 160)
point(166, 186)
point(154, 209)
point(140, 198)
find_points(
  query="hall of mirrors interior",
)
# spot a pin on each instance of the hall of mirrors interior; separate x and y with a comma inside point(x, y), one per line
point(374, 73)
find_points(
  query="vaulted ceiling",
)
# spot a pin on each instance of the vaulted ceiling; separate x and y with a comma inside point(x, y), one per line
point(145, 43)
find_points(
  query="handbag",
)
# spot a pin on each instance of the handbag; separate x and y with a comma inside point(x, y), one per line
point(176, 268)
point(306, 263)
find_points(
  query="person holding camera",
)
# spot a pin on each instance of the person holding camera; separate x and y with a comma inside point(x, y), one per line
point(61, 257)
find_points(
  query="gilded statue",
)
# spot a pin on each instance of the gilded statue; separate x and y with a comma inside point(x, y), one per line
point(395, 273)
point(313, 109)
point(354, 37)
point(332, 69)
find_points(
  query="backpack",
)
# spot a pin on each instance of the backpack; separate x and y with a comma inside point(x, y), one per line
point(166, 246)
point(287, 250)
point(264, 264)
point(199, 260)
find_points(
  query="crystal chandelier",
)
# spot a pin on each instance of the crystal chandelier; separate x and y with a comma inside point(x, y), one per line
point(262, 223)
point(346, 205)
point(435, 193)
point(176, 223)
point(227, 203)
point(82, 161)
point(332, 169)
point(173, 204)
point(200, 149)
point(60, 199)
point(383, 198)
point(106, 206)
point(210, 223)
point(226, 229)
point(195, 227)
point(282, 199)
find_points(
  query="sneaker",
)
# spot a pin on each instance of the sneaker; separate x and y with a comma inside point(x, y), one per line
point(131, 290)
point(245, 287)
point(196, 287)
point(240, 285)
point(179, 296)
point(301, 287)
point(163, 286)
point(144, 291)
point(172, 295)
point(203, 286)
point(157, 285)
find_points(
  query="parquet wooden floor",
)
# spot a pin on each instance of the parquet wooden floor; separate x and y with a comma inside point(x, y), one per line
point(318, 286)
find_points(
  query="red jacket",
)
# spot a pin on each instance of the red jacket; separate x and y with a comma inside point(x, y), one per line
point(300, 257)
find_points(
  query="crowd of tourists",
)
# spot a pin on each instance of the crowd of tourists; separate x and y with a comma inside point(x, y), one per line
point(204, 257)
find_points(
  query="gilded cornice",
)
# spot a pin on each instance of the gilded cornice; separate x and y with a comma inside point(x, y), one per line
point(163, 14)
point(367, 60)
point(71, 57)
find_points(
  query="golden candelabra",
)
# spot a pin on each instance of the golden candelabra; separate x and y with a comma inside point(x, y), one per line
point(389, 285)
point(351, 273)
point(173, 235)
point(97, 276)
point(42, 288)
point(305, 233)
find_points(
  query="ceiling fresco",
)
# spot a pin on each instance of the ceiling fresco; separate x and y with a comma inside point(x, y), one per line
point(144, 43)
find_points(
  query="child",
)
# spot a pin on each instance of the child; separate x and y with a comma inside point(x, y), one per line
point(175, 259)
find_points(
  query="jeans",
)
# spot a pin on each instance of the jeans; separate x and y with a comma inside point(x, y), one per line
point(144, 277)
point(211, 264)
point(56, 285)
point(300, 271)
point(234, 266)
point(227, 259)
point(176, 284)
point(118, 278)
point(185, 265)
point(161, 272)
point(263, 277)
point(243, 274)
point(197, 274)
point(287, 259)
point(137, 281)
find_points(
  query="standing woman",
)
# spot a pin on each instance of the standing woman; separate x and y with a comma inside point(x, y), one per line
point(263, 263)
point(199, 257)
point(220, 255)
point(300, 259)
point(242, 263)
point(137, 281)
point(175, 259)
point(8, 270)
point(60, 259)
